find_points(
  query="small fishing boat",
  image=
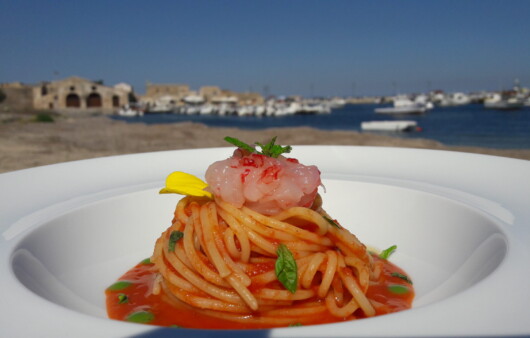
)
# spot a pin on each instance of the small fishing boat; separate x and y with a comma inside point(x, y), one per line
point(499, 102)
point(403, 105)
point(129, 110)
point(393, 126)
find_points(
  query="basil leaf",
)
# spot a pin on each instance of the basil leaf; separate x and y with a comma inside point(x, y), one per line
point(120, 285)
point(173, 238)
point(402, 276)
point(140, 317)
point(398, 289)
point(286, 268)
point(122, 298)
point(146, 261)
point(239, 144)
point(386, 253)
point(332, 222)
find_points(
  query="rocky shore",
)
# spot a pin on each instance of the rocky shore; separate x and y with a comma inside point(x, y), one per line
point(25, 143)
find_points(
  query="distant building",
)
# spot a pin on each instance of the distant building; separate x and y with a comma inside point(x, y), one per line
point(244, 98)
point(210, 92)
point(124, 87)
point(78, 94)
point(177, 94)
point(18, 97)
point(173, 93)
point(250, 98)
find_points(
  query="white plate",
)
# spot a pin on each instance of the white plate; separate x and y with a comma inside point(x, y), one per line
point(461, 223)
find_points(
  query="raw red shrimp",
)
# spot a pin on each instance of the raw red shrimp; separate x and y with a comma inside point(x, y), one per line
point(265, 184)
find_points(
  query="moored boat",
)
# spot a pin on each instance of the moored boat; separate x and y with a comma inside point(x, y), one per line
point(393, 126)
point(499, 102)
point(403, 105)
point(130, 110)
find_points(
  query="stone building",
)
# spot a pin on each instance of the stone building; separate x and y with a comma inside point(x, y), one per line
point(18, 97)
point(244, 98)
point(166, 92)
point(210, 92)
point(78, 94)
point(250, 99)
point(176, 94)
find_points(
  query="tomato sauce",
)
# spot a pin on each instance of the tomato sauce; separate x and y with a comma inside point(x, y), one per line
point(130, 299)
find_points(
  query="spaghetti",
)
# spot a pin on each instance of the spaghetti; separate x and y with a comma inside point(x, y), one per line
point(240, 268)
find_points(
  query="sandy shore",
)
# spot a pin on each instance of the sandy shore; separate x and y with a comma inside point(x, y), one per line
point(25, 144)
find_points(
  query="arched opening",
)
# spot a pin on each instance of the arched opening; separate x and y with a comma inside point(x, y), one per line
point(115, 101)
point(43, 91)
point(72, 100)
point(93, 100)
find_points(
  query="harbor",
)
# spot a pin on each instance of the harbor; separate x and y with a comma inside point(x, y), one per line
point(25, 144)
point(463, 125)
point(91, 120)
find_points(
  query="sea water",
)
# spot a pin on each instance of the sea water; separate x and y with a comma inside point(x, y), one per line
point(468, 125)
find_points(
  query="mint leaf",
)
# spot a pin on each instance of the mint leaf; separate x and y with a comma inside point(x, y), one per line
point(273, 150)
point(286, 268)
point(402, 276)
point(332, 222)
point(270, 149)
point(173, 238)
point(386, 253)
point(140, 317)
point(239, 144)
point(398, 289)
point(122, 298)
point(120, 285)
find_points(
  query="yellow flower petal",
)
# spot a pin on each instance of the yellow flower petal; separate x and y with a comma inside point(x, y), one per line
point(185, 184)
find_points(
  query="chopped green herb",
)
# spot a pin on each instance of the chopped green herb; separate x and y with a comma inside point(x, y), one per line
point(140, 317)
point(239, 144)
point(146, 261)
point(332, 222)
point(270, 149)
point(398, 289)
point(175, 326)
point(173, 238)
point(295, 324)
point(386, 253)
point(122, 298)
point(273, 150)
point(120, 285)
point(402, 276)
point(286, 268)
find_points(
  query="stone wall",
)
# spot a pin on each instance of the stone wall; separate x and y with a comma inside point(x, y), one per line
point(17, 99)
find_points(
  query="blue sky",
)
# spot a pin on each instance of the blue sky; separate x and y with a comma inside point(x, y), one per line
point(285, 47)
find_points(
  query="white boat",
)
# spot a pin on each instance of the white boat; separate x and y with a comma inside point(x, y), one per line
point(454, 99)
point(414, 108)
point(459, 99)
point(337, 102)
point(403, 105)
point(496, 101)
point(314, 108)
point(393, 126)
point(194, 99)
point(127, 110)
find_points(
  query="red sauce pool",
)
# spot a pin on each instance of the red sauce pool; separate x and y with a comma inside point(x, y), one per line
point(130, 300)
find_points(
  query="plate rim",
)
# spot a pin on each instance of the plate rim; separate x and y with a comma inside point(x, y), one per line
point(360, 152)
